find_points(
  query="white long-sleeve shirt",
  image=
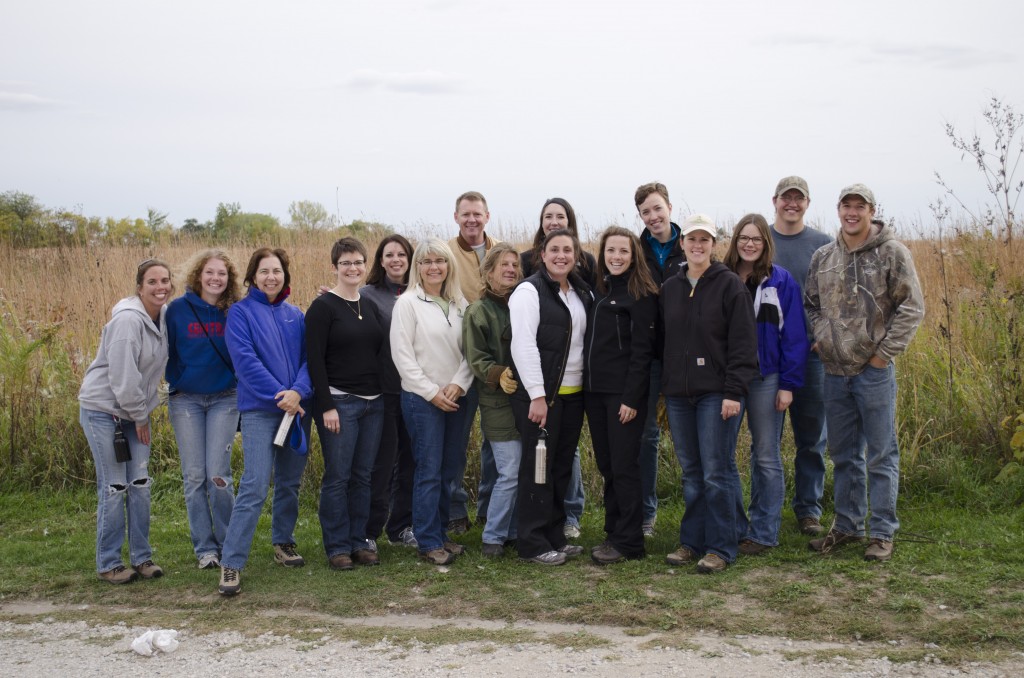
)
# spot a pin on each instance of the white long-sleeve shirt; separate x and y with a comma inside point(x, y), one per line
point(524, 307)
point(426, 345)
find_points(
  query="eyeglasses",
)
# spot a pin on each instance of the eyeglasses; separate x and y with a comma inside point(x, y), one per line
point(750, 239)
point(350, 264)
point(433, 262)
point(792, 199)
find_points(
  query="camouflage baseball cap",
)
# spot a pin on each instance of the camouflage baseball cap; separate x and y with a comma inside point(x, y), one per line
point(858, 189)
point(793, 182)
point(699, 222)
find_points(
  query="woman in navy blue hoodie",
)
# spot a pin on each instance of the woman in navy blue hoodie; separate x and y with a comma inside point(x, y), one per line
point(203, 405)
point(782, 350)
point(266, 338)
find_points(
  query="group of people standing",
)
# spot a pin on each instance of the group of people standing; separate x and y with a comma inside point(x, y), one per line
point(393, 366)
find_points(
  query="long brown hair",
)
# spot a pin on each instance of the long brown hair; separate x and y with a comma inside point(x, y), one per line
point(377, 274)
point(639, 282)
point(539, 240)
point(763, 265)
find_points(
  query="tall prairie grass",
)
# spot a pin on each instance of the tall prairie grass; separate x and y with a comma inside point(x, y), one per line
point(959, 382)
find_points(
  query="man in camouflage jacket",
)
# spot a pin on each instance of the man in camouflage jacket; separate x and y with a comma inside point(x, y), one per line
point(864, 303)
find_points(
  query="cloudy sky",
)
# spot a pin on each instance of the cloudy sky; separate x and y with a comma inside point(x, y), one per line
point(388, 110)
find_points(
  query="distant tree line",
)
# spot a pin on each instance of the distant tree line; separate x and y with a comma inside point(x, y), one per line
point(24, 222)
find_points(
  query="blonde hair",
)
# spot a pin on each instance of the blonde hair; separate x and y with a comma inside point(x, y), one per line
point(450, 290)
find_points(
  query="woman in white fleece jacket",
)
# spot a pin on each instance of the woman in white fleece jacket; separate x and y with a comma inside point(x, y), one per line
point(426, 345)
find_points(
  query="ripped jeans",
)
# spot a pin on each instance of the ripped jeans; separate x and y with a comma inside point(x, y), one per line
point(122, 489)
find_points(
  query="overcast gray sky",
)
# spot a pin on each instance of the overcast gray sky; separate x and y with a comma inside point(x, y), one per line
point(388, 110)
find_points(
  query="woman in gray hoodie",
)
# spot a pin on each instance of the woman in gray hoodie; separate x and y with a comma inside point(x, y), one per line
point(119, 392)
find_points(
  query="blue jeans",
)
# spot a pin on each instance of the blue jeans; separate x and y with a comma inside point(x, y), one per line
point(649, 446)
point(767, 482)
point(574, 498)
point(204, 428)
point(861, 413)
point(349, 456)
point(807, 417)
point(439, 449)
point(501, 518)
point(713, 521)
point(122, 489)
point(262, 461)
point(488, 472)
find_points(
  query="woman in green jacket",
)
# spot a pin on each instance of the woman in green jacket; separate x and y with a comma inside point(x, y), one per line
point(487, 335)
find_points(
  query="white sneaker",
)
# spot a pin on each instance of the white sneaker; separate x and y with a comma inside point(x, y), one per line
point(571, 531)
point(209, 561)
point(548, 558)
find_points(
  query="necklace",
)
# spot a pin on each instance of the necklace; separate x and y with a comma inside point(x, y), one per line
point(359, 305)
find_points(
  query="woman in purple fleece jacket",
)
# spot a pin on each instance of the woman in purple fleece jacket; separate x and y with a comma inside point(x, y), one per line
point(267, 341)
point(782, 349)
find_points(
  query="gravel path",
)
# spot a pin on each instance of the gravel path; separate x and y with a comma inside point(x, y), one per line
point(34, 643)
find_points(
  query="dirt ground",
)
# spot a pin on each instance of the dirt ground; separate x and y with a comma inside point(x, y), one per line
point(38, 638)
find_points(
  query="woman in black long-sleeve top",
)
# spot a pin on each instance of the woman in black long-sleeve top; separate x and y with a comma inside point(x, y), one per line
point(618, 349)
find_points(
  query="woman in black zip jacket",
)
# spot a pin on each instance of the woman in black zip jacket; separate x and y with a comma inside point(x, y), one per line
point(618, 350)
point(710, 356)
point(549, 318)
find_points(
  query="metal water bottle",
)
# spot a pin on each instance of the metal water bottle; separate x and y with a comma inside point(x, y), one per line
point(540, 467)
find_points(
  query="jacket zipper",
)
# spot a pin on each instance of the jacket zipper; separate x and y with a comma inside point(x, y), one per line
point(568, 344)
point(590, 356)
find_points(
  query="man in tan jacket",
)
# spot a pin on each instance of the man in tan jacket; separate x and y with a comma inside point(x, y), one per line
point(469, 248)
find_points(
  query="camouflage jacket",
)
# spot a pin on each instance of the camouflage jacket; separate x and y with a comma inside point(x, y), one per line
point(862, 302)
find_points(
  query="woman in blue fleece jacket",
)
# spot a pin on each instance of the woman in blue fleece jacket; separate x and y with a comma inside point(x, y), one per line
point(203, 405)
point(782, 349)
point(266, 338)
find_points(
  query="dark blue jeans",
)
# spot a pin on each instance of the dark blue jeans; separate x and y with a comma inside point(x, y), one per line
point(439, 448)
point(713, 521)
point(807, 417)
point(348, 462)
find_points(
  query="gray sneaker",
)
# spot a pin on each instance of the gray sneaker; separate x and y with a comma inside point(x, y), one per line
point(649, 528)
point(571, 531)
point(209, 561)
point(371, 545)
point(548, 558)
point(407, 538)
point(571, 550)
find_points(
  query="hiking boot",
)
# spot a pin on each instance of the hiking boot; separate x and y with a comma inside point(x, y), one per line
point(833, 540)
point(340, 561)
point(493, 550)
point(230, 581)
point(119, 575)
point(878, 549)
point(407, 538)
point(548, 558)
point(810, 525)
point(454, 548)
point(288, 556)
point(459, 526)
point(681, 556)
point(606, 554)
point(711, 562)
point(149, 570)
point(600, 546)
point(365, 557)
point(438, 557)
point(571, 531)
point(752, 548)
point(571, 550)
point(649, 527)
point(209, 561)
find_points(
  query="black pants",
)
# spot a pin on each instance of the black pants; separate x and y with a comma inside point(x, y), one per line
point(541, 508)
point(391, 479)
point(617, 453)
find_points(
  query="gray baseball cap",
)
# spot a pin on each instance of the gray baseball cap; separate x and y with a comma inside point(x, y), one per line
point(858, 189)
point(793, 182)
